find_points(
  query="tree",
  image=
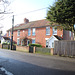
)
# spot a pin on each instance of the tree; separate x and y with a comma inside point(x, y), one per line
point(3, 6)
point(63, 13)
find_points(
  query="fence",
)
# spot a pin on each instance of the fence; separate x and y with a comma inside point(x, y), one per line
point(40, 50)
point(66, 48)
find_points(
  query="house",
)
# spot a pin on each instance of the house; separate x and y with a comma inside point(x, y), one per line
point(50, 41)
point(5, 40)
point(37, 32)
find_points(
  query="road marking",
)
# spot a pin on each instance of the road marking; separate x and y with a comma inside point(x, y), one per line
point(6, 72)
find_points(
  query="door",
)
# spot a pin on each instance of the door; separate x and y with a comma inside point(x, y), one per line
point(28, 42)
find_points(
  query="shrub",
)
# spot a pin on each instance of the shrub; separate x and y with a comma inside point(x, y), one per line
point(5, 43)
point(36, 45)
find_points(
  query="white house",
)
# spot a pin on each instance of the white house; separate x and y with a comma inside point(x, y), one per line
point(5, 39)
point(52, 39)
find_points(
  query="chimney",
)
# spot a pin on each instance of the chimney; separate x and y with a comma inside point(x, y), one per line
point(26, 20)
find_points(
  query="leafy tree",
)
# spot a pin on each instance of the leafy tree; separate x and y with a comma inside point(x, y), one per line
point(62, 13)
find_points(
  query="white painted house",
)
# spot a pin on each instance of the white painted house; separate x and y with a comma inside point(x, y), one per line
point(5, 39)
point(51, 40)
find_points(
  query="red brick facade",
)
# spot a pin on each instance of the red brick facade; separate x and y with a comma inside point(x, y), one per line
point(40, 35)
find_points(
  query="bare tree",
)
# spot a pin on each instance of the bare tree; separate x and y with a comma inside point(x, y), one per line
point(4, 6)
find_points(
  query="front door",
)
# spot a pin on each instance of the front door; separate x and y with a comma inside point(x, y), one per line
point(28, 42)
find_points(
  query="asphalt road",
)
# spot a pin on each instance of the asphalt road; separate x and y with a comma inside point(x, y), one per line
point(20, 63)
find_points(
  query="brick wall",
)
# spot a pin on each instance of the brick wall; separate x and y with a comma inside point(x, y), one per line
point(22, 48)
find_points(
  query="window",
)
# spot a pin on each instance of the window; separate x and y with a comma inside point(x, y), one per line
point(33, 31)
point(29, 32)
point(18, 33)
point(9, 33)
point(54, 31)
point(70, 33)
point(18, 41)
point(52, 44)
point(46, 43)
point(47, 30)
point(33, 41)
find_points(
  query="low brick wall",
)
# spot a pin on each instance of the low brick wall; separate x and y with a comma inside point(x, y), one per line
point(22, 48)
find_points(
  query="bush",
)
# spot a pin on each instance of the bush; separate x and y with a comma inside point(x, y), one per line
point(5, 43)
point(36, 45)
point(0, 41)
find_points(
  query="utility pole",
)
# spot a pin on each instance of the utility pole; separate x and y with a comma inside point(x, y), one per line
point(12, 32)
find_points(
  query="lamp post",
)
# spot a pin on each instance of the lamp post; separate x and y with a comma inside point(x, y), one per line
point(12, 32)
point(74, 31)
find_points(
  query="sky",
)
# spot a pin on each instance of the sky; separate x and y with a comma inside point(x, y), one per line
point(20, 9)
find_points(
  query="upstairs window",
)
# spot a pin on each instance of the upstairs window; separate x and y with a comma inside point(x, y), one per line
point(33, 31)
point(18, 33)
point(54, 31)
point(70, 33)
point(47, 30)
point(9, 33)
point(29, 32)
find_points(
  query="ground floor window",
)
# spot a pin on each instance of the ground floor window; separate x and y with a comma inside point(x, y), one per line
point(18, 41)
point(33, 41)
point(46, 43)
point(52, 44)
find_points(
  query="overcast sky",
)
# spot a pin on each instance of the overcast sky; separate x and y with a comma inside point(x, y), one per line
point(20, 7)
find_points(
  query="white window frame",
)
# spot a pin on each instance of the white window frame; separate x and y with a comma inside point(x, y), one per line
point(18, 33)
point(70, 33)
point(32, 41)
point(54, 31)
point(29, 32)
point(47, 31)
point(33, 31)
point(52, 44)
point(17, 41)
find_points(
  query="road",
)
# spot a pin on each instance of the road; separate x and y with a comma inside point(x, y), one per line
point(20, 63)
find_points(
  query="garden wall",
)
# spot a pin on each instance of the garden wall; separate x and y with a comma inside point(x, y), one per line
point(22, 48)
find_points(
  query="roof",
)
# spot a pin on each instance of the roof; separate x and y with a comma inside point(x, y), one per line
point(6, 38)
point(58, 37)
point(55, 36)
point(32, 24)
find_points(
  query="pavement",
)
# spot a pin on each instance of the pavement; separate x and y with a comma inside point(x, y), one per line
point(20, 63)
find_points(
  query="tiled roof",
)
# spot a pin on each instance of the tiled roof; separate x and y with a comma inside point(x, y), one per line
point(36, 24)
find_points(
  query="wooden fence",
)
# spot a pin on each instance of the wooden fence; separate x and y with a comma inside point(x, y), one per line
point(66, 48)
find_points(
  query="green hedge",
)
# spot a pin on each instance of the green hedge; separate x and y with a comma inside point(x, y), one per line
point(36, 45)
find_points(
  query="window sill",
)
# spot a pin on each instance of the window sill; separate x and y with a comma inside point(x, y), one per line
point(47, 34)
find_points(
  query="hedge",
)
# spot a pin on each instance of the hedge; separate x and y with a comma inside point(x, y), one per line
point(36, 45)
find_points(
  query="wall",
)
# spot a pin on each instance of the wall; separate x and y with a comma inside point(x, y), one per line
point(66, 48)
point(51, 41)
point(22, 48)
